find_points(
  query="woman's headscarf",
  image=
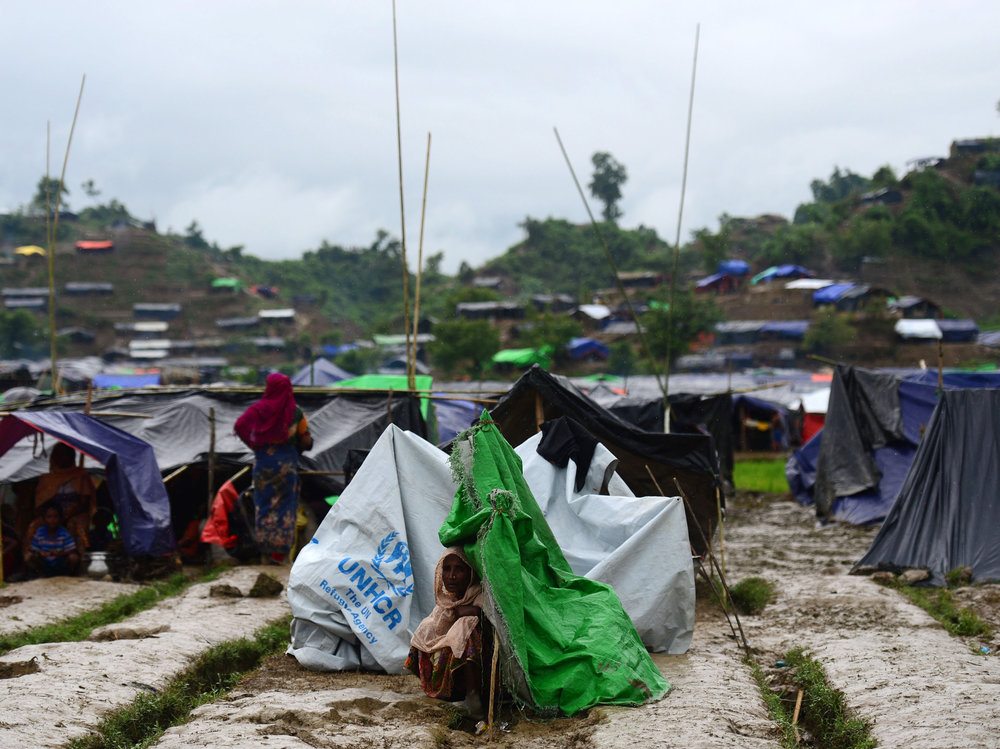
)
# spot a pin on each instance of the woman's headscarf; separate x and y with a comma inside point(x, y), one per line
point(267, 421)
point(443, 628)
point(63, 470)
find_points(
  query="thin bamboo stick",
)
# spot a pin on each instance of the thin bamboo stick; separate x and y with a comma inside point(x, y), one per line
point(402, 213)
point(420, 268)
point(680, 217)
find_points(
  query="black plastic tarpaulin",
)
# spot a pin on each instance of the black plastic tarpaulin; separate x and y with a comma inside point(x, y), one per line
point(864, 414)
point(947, 513)
point(539, 396)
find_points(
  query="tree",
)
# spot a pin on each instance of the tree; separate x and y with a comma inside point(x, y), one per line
point(19, 334)
point(828, 332)
point(555, 331)
point(89, 189)
point(714, 247)
point(45, 195)
point(622, 359)
point(841, 185)
point(606, 184)
point(692, 316)
point(465, 344)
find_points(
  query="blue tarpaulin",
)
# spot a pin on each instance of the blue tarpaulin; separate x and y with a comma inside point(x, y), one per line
point(454, 416)
point(958, 331)
point(891, 456)
point(136, 487)
point(734, 267)
point(792, 271)
point(126, 380)
point(581, 348)
point(830, 294)
point(793, 330)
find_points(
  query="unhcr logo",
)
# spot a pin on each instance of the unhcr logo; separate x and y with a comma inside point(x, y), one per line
point(396, 556)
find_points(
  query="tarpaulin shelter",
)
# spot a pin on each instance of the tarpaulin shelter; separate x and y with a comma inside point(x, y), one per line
point(720, 283)
point(948, 509)
point(522, 357)
point(29, 249)
point(832, 293)
point(558, 632)
point(136, 488)
point(917, 329)
point(958, 331)
point(111, 380)
point(587, 348)
point(94, 246)
point(539, 396)
point(734, 267)
point(320, 372)
point(365, 581)
point(853, 468)
point(177, 425)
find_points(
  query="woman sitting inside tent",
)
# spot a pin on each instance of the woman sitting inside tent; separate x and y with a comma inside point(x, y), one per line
point(447, 649)
point(70, 489)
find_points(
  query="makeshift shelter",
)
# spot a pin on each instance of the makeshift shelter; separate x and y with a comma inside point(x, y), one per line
point(587, 348)
point(557, 632)
point(29, 249)
point(854, 468)
point(521, 357)
point(958, 331)
point(224, 285)
point(136, 488)
point(320, 372)
point(917, 330)
point(948, 509)
point(647, 460)
point(719, 283)
point(734, 267)
point(831, 294)
point(95, 247)
point(384, 528)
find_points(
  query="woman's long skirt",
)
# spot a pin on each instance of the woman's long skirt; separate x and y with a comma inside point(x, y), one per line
point(276, 497)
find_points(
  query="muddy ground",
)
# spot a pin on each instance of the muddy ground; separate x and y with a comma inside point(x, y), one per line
point(896, 665)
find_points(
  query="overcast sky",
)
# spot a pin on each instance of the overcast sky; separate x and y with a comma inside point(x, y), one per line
point(273, 124)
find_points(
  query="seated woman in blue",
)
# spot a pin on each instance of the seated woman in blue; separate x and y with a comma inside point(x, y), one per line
point(53, 550)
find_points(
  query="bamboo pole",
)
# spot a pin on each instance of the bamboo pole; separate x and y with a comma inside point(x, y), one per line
point(611, 262)
point(494, 679)
point(680, 217)
point(55, 227)
point(420, 266)
point(795, 715)
point(211, 460)
point(176, 473)
point(402, 213)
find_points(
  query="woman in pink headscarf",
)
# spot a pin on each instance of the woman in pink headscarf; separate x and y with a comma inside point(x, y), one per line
point(276, 430)
point(447, 648)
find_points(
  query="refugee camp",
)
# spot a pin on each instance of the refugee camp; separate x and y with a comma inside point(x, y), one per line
point(530, 375)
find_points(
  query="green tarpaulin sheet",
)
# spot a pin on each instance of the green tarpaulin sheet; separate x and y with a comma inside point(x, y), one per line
point(566, 643)
point(522, 357)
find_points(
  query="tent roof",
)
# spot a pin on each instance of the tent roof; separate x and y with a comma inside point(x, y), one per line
point(320, 372)
point(137, 489)
point(917, 329)
point(832, 293)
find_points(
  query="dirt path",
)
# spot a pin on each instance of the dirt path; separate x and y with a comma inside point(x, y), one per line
point(894, 663)
point(923, 687)
point(60, 690)
point(37, 602)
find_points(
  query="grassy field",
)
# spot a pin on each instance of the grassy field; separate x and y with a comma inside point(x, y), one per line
point(763, 475)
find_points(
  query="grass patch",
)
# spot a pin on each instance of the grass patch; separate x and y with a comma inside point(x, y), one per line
point(761, 475)
point(217, 671)
point(79, 627)
point(938, 602)
point(751, 594)
point(779, 714)
point(824, 713)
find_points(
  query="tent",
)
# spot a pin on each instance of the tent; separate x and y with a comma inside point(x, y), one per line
point(720, 283)
point(522, 357)
point(832, 293)
point(587, 348)
point(320, 372)
point(948, 509)
point(648, 462)
point(734, 267)
point(177, 425)
point(29, 250)
point(854, 467)
point(558, 633)
point(136, 488)
point(918, 329)
point(958, 331)
point(384, 528)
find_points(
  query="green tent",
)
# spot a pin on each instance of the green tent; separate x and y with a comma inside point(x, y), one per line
point(566, 643)
point(385, 383)
point(523, 357)
point(766, 273)
point(227, 283)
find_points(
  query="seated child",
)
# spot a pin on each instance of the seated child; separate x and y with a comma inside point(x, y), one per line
point(447, 649)
point(53, 550)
